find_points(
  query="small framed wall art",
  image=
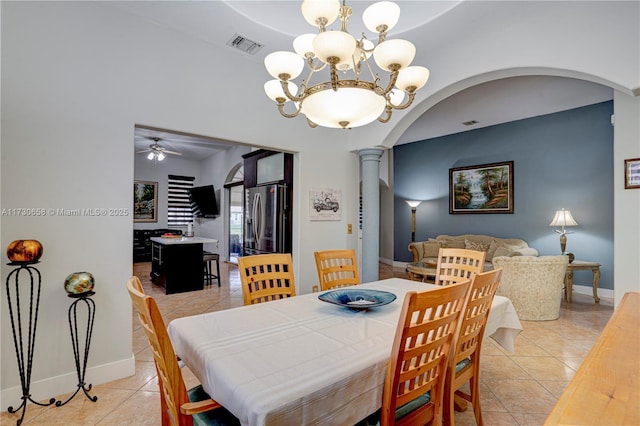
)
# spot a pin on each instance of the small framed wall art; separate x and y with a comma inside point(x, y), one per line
point(325, 204)
point(632, 173)
point(486, 188)
point(145, 201)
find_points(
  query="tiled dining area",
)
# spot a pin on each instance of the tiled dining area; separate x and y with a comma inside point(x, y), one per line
point(519, 388)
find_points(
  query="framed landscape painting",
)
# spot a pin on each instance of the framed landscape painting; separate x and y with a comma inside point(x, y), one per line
point(486, 188)
point(145, 201)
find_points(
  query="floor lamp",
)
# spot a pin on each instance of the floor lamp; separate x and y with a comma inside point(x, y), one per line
point(414, 205)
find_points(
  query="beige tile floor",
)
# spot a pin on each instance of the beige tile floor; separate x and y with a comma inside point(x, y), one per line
point(516, 389)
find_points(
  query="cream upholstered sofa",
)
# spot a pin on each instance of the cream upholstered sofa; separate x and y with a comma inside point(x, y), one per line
point(533, 284)
point(427, 251)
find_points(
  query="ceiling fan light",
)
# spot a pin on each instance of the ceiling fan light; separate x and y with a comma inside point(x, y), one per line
point(416, 76)
point(281, 62)
point(273, 89)
point(337, 44)
point(161, 156)
point(303, 44)
point(384, 13)
point(394, 52)
point(313, 10)
point(150, 156)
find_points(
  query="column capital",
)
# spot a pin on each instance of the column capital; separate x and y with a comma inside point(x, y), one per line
point(369, 154)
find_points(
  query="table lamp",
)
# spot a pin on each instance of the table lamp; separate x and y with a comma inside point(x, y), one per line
point(413, 204)
point(563, 218)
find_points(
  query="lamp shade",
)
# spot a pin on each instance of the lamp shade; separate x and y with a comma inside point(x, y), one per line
point(334, 44)
point(313, 10)
point(563, 218)
point(282, 62)
point(415, 76)
point(347, 107)
point(396, 51)
point(273, 89)
point(413, 203)
point(303, 44)
point(383, 13)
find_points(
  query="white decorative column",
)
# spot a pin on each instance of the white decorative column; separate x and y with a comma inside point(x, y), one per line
point(370, 175)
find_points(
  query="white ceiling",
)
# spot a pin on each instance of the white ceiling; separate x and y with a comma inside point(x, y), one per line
point(274, 24)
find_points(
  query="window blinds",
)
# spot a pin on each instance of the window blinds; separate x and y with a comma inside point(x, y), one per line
point(178, 206)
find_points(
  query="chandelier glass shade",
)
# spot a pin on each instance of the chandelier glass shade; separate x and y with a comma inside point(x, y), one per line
point(352, 93)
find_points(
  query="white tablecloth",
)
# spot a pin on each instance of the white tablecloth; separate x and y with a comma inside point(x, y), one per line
point(301, 360)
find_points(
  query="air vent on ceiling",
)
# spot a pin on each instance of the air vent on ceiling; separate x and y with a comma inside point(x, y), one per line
point(242, 43)
point(470, 122)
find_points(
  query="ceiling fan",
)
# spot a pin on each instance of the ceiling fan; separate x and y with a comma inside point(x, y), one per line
point(157, 152)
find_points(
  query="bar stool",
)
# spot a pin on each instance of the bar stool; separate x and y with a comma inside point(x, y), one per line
point(207, 258)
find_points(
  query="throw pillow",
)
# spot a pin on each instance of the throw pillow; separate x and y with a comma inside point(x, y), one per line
point(492, 250)
point(453, 244)
point(431, 248)
point(472, 245)
point(501, 251)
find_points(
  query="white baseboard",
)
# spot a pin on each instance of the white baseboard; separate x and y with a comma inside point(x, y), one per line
point(43, 390)
point(588, 290)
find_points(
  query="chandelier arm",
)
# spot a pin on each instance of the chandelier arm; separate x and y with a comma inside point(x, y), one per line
point(393, 77)
point(388, 111)
point(291, 96)
point(286, 114)
point(406, 105)
point(315, 68)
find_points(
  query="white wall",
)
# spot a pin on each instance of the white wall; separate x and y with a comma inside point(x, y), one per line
point(77, 77)
point(626, 202)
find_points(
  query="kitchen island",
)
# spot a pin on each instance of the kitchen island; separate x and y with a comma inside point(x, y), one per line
point(176, 263)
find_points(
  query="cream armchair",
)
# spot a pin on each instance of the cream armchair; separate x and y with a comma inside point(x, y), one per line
point(533, 284)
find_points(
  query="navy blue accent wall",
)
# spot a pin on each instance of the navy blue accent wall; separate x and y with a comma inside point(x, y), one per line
point(561, 160)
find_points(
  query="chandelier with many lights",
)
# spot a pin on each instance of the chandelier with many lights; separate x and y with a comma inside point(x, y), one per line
point(352, 100)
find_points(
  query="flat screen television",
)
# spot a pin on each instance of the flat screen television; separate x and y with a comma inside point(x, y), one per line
point(203, 201)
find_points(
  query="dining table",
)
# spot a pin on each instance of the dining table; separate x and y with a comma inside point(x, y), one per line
point(303, 361)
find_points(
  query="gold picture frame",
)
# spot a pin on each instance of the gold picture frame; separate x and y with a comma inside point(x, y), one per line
point(632, 173)
point(485, 188)
point(145, 201)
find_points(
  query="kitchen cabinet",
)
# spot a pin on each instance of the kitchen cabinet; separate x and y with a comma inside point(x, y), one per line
point(176, 263)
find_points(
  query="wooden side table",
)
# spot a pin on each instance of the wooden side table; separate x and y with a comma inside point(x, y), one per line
point(422, 271)
point(581, 265)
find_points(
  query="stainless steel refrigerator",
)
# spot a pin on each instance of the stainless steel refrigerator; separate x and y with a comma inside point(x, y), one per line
point(264, 219)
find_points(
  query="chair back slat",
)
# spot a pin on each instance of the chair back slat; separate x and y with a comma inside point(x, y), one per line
point(337, 268)
point(455, 265)
point(266, 277)
point(171, 383)
point(421, 349)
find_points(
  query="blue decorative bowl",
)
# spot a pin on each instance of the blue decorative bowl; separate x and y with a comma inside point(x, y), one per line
point(358, 298)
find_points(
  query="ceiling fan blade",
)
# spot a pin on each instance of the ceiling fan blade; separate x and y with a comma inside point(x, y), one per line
point(143, 151)
point(166, 151)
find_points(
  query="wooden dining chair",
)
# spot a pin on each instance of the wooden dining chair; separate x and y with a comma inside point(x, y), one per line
point(179, 406)
point(455, 265)
point(414, 384)
point(266, 277)
point(337, 268)
point(464, 365)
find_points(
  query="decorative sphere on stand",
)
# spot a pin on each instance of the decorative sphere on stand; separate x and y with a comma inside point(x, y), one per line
point(24, 251)
point(79, 283)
